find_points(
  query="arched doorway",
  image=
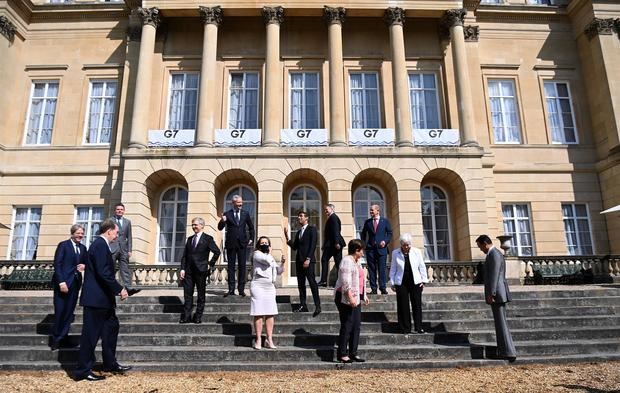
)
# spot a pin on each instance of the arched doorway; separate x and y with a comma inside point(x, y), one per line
point(171, 225)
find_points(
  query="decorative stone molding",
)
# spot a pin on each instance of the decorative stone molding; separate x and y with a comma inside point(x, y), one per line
point(7, 28)
point(451, 18)
point(150, 16)
point(334, 15)
point(472, 33)
point(394, 16)
point(599, 27)
point(211, 15)
point(273, 15)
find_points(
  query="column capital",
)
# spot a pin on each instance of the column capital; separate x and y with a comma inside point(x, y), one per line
point(273, 15)
point(211, 15)
point(7, 28)
point(599, 26)
point(150, 16)
point(394, 16)
point(472, 33)
point(334, 15)
point(450, 19)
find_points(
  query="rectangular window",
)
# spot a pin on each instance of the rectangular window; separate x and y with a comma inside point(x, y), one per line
point(560, 112)
point(542, 2)
point(183, 101)
point(89, 217)
point(492, 2)
point(364, 100)
point(504, 114)
point(304, 100)
point(517, 224)
point(577, 228)
point(424, 101)
point(25, 234)
point(40, 119)
point(243, 100)
point(101, 112)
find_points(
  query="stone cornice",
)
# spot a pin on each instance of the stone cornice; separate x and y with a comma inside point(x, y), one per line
point(599, 26)
point(7, 28)
point(273, 15)
point(211, 15)
point(150, 16)
point(472, 33)
point(394, 16)
point(334, 15)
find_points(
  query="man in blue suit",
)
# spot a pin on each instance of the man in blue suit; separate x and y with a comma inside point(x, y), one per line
point(69, 261)
point(377, 234)
point(98, 299)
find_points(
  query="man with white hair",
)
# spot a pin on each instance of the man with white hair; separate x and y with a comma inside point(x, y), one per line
point(407, 278)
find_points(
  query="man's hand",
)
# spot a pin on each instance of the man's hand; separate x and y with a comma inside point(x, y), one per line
point(382, 244)
point(282, 259)
point(128, 254)
point(182, 274)
point(337, 246)
point(250, 242)
point(81, 267)
point(63, 287)
point(285, 233)
point(224, 217)
point(306, 263)
point(124, 295)
point(393, 287)
point(490, 299)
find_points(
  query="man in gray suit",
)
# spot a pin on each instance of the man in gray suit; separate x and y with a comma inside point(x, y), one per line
point(121, 248)
point(497, 294)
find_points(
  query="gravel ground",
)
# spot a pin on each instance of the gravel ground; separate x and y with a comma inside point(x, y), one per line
point(574, 378)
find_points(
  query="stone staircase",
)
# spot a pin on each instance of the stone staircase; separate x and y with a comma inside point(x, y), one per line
point(548, 325)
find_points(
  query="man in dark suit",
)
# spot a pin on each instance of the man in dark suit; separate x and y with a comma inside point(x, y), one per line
point(69, 262)
point(377, 234)
point(332, 243)
point(236, 220)
point(497, 294)
point(305, 244)
point(98, 293)
point(195, 268)
point(121, 247)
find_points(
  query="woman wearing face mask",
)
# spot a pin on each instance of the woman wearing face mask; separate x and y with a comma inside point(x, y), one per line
point(263, 291)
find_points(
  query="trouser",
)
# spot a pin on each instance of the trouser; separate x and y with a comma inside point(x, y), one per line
point(505, 346)
point(64, 308)
point(328, 253)
point(198, 279)
point(302, 275)
point(236, 257)
point(99, 323)
point(350, 324)
point(376, 262)
point(123, 267)
point(405, 295)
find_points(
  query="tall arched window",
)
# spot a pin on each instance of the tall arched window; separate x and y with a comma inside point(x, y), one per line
point(363, 198)
point(249, 205)
point(172, 225)
point(435, 223)
point(308, 199)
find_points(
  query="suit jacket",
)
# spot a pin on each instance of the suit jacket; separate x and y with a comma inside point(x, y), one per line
point(100, 287)
point(236, 235)
point(305, 245)
point(199, 256)
point(66, 261)
point(332, 234)
point(123, 241)
point(495, 277)
point(372, 239)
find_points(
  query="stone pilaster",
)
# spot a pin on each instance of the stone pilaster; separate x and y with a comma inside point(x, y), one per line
point(334, 17)
point(273, 17)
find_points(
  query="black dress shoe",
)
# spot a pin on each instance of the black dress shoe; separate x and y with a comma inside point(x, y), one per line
point(373, 292)
point(301, 309)
point(197, 320)
point(91, 378)
point(242, 293)
point(183, 320)
point(384, 292)
point(420, 331)
point(317, 311)
point(118, 369)
point(322, 284)
point(511, 359)
point(357, 359)
point(133, 291)
point(341, 360)
point(54, 345)
point(229, 294)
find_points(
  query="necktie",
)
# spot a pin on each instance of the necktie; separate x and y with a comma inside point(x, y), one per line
point(195, 241)
point(237, 216)
point(301, 233)
point(120, 223)
point(77, 249)
point(376, 224)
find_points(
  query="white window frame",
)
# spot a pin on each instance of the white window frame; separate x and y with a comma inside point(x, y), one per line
point(45, 98)
point(450, 232)
point(561, 121)
point(502, 105)
point(303, 95)
point(423, 89)
point(319, 229)
point(516, 239)
point(378, 90)
point(28, 223)
point(258, 86)
point(175, 229)
point(575, 218)
point(100, 117)
point(88, 235)
point(184, 73)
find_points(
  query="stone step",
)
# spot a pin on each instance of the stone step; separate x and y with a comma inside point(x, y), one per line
point(558, 348)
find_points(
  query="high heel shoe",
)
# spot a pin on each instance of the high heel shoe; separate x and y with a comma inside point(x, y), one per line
point(256, 345)
point(269, 344)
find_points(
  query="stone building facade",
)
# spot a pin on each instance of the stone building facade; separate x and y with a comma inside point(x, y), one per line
point(457, 117)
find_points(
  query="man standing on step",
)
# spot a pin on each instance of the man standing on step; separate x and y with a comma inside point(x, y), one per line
point(98, 299)
point(377, 234)
point(121, 247)
point(236, 220)
point(332, 243)
point(497, 294)
point(195, 268)
point(69, 262)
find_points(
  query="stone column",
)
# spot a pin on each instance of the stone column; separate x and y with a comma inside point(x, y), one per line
point(273, 17)
point(212, 18)
point(452, 21)
point(142, 94)
point(334, 17)
point(395, 18)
